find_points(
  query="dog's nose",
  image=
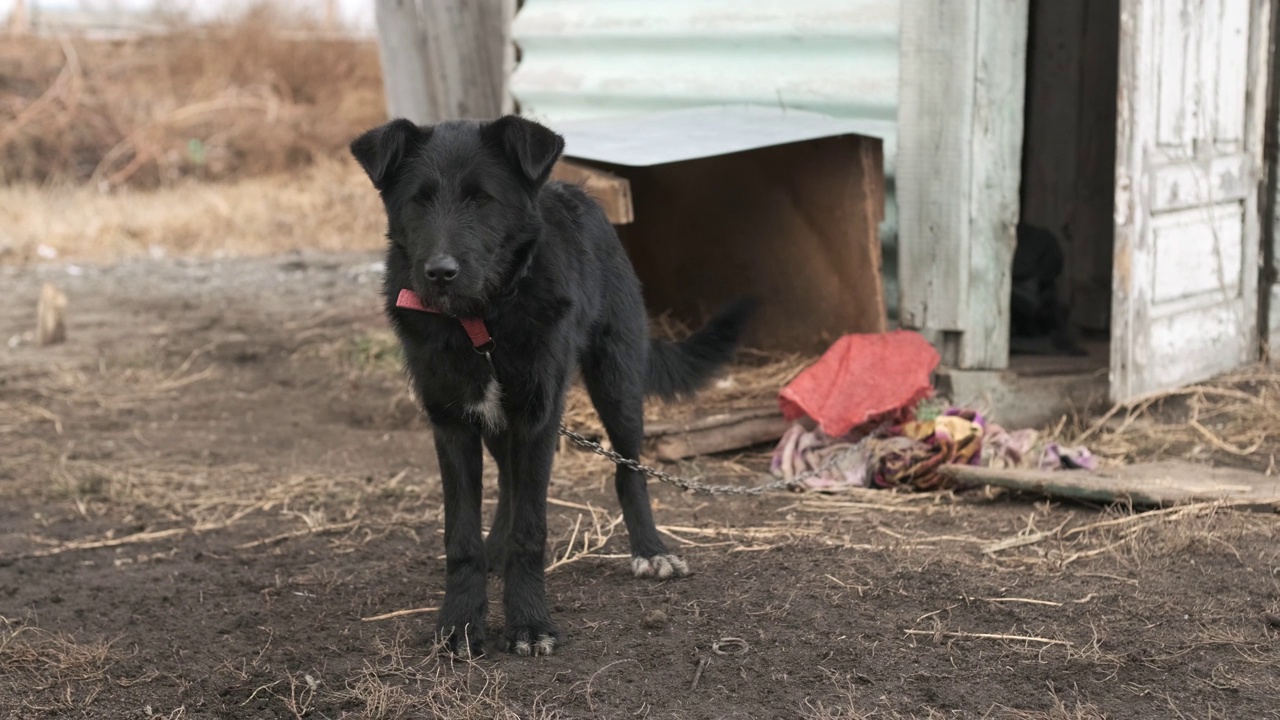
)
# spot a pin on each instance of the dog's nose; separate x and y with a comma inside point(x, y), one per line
point(442, 269)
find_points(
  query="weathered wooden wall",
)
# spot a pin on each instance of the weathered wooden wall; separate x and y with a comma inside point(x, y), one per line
point(963, 68)
point(446, 59)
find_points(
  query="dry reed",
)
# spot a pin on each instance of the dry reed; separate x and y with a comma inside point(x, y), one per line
point(231, 99)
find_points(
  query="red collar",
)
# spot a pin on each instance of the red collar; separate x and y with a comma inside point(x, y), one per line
point(479, 334)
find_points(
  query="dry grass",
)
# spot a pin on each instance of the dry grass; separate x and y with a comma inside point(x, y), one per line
point(752, 381)
point(852, 697)
point(328, 206)
point(50, 671)
point(229, 100)
point(398, 683)
point(1234, 418)
point(108, 147)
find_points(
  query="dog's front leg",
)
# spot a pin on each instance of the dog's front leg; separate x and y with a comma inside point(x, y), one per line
point(529, 628)
point(460, 623)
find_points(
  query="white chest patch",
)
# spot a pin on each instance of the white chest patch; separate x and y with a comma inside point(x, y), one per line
point(488, 412)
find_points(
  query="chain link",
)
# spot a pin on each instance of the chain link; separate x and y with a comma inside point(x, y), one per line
point(707, 489)
point(685, 483)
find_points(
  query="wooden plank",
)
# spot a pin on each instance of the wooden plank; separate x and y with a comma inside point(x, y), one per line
point(610, 191)
point(1135, 32)
point(996, 148)
point(446, 59)
point(1156, 484)
point(961, 103)
point(653, 430)
point(718, 433)
point(935, 125)
point(793, 225)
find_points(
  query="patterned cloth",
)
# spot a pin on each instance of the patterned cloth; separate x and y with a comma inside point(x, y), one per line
point(910, 454)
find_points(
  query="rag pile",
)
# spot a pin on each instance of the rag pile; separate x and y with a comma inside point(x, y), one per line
point(908, 455)
point(867, 426)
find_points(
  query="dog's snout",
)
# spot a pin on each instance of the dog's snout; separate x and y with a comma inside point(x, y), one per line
point(442, 269)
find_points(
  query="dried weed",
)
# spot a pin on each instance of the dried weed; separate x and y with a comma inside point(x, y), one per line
point(398, 683)
point(256, 94)
point(49, 671)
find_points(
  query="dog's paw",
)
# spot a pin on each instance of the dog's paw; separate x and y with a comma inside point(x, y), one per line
point(661, 567)
point(533, 639)
point(465, 641)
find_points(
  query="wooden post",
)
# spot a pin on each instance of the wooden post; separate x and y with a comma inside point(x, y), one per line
point(331, 16)
point(446, 59)
point(19, 22)
point(962, 78)
point(51, 316)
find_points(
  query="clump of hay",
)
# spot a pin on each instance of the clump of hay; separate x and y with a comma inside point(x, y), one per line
point(1234, 419)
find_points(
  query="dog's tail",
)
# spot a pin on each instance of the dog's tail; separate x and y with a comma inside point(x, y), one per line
point(682, 368)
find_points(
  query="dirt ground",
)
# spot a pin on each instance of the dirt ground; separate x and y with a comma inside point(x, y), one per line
point(217, 484)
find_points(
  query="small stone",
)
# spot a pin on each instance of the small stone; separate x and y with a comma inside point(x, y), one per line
point(654, 620)
point(1273, 619)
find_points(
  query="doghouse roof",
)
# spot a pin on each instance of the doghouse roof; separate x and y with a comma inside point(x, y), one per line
point(689, 134)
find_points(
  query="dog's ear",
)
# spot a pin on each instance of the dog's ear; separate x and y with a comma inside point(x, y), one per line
point(380, 150)
point(533, 148)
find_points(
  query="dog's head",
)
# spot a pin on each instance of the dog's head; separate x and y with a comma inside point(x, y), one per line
point(460, 200)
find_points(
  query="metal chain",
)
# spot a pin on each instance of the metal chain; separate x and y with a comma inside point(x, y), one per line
point(666, 477)
point(696, 486)
point(684, 483)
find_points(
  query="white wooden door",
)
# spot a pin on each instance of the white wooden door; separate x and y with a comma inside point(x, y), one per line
point(1188, 179)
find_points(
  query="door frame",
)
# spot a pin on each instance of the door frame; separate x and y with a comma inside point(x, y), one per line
point(1269, 242)
point(962, 82)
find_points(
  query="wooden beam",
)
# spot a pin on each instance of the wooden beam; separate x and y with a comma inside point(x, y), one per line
point(1169, 482)
point(718, 433)
point(962, 82)
point(613, 193)
point(446, 59)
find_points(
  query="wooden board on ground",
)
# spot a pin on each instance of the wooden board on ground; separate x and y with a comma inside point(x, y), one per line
point(717, 433)
point(1164, 483)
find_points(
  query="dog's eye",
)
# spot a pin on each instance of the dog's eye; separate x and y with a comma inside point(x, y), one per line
point(476, 196)
point(425, 195)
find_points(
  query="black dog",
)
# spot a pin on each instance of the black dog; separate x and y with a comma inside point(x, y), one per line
point(1039, 319)
point(480, 235)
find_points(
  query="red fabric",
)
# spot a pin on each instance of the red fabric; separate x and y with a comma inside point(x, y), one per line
point(474, 326)
point(862, 377)
point(476, 330)
point(409, 300)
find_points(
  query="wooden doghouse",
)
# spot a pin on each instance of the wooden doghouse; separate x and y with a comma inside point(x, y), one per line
point(717, 203)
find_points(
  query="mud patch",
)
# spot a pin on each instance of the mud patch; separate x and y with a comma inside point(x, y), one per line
point(214, 487)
